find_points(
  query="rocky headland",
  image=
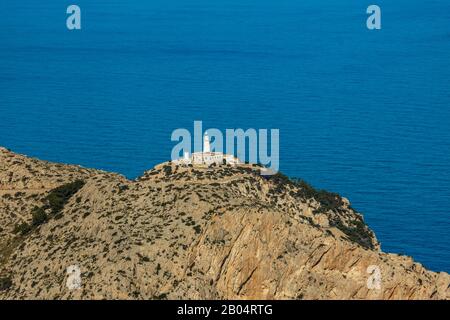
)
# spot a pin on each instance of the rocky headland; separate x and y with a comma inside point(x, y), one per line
point(220, 232)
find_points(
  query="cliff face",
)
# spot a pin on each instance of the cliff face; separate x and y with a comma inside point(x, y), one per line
point(197, 233)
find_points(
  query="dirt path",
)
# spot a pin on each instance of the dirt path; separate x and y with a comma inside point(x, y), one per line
point(40, 190)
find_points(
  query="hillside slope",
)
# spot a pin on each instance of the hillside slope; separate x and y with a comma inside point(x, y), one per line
point(183, 232)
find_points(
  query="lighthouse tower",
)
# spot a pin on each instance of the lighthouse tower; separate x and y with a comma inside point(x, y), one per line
point(206, 143)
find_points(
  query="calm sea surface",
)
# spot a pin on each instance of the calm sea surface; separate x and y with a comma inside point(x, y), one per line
point(362, 113)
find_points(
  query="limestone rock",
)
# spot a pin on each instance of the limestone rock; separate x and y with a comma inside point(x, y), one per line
point(223, 232)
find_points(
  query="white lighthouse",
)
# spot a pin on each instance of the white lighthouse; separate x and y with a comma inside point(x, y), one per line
point(206, 143)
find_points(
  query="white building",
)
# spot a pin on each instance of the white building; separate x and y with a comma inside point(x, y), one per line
point(207, 157)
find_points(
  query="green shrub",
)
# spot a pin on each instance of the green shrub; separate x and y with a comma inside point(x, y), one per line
point(22, 228)
point(59, 196)
point(357, 232)
point(167, 170)
point(162, 296)
point(328, 200)
point(5, 283)
point(197, 229)
point(39, 216)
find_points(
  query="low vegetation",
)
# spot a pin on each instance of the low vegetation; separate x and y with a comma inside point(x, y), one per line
point(355, 229)
point(357, 232)
point(38, 216)
point(22, 229)
point(5, 283)
point(54, 203)
point(59, 196)
point(327, 200)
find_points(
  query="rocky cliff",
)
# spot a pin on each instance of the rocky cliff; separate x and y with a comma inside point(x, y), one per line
point(189, 232)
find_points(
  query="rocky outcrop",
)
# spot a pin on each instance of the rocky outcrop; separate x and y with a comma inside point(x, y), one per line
point(190, 232)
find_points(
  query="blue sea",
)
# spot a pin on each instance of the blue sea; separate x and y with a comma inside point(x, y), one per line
point(362, 113)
